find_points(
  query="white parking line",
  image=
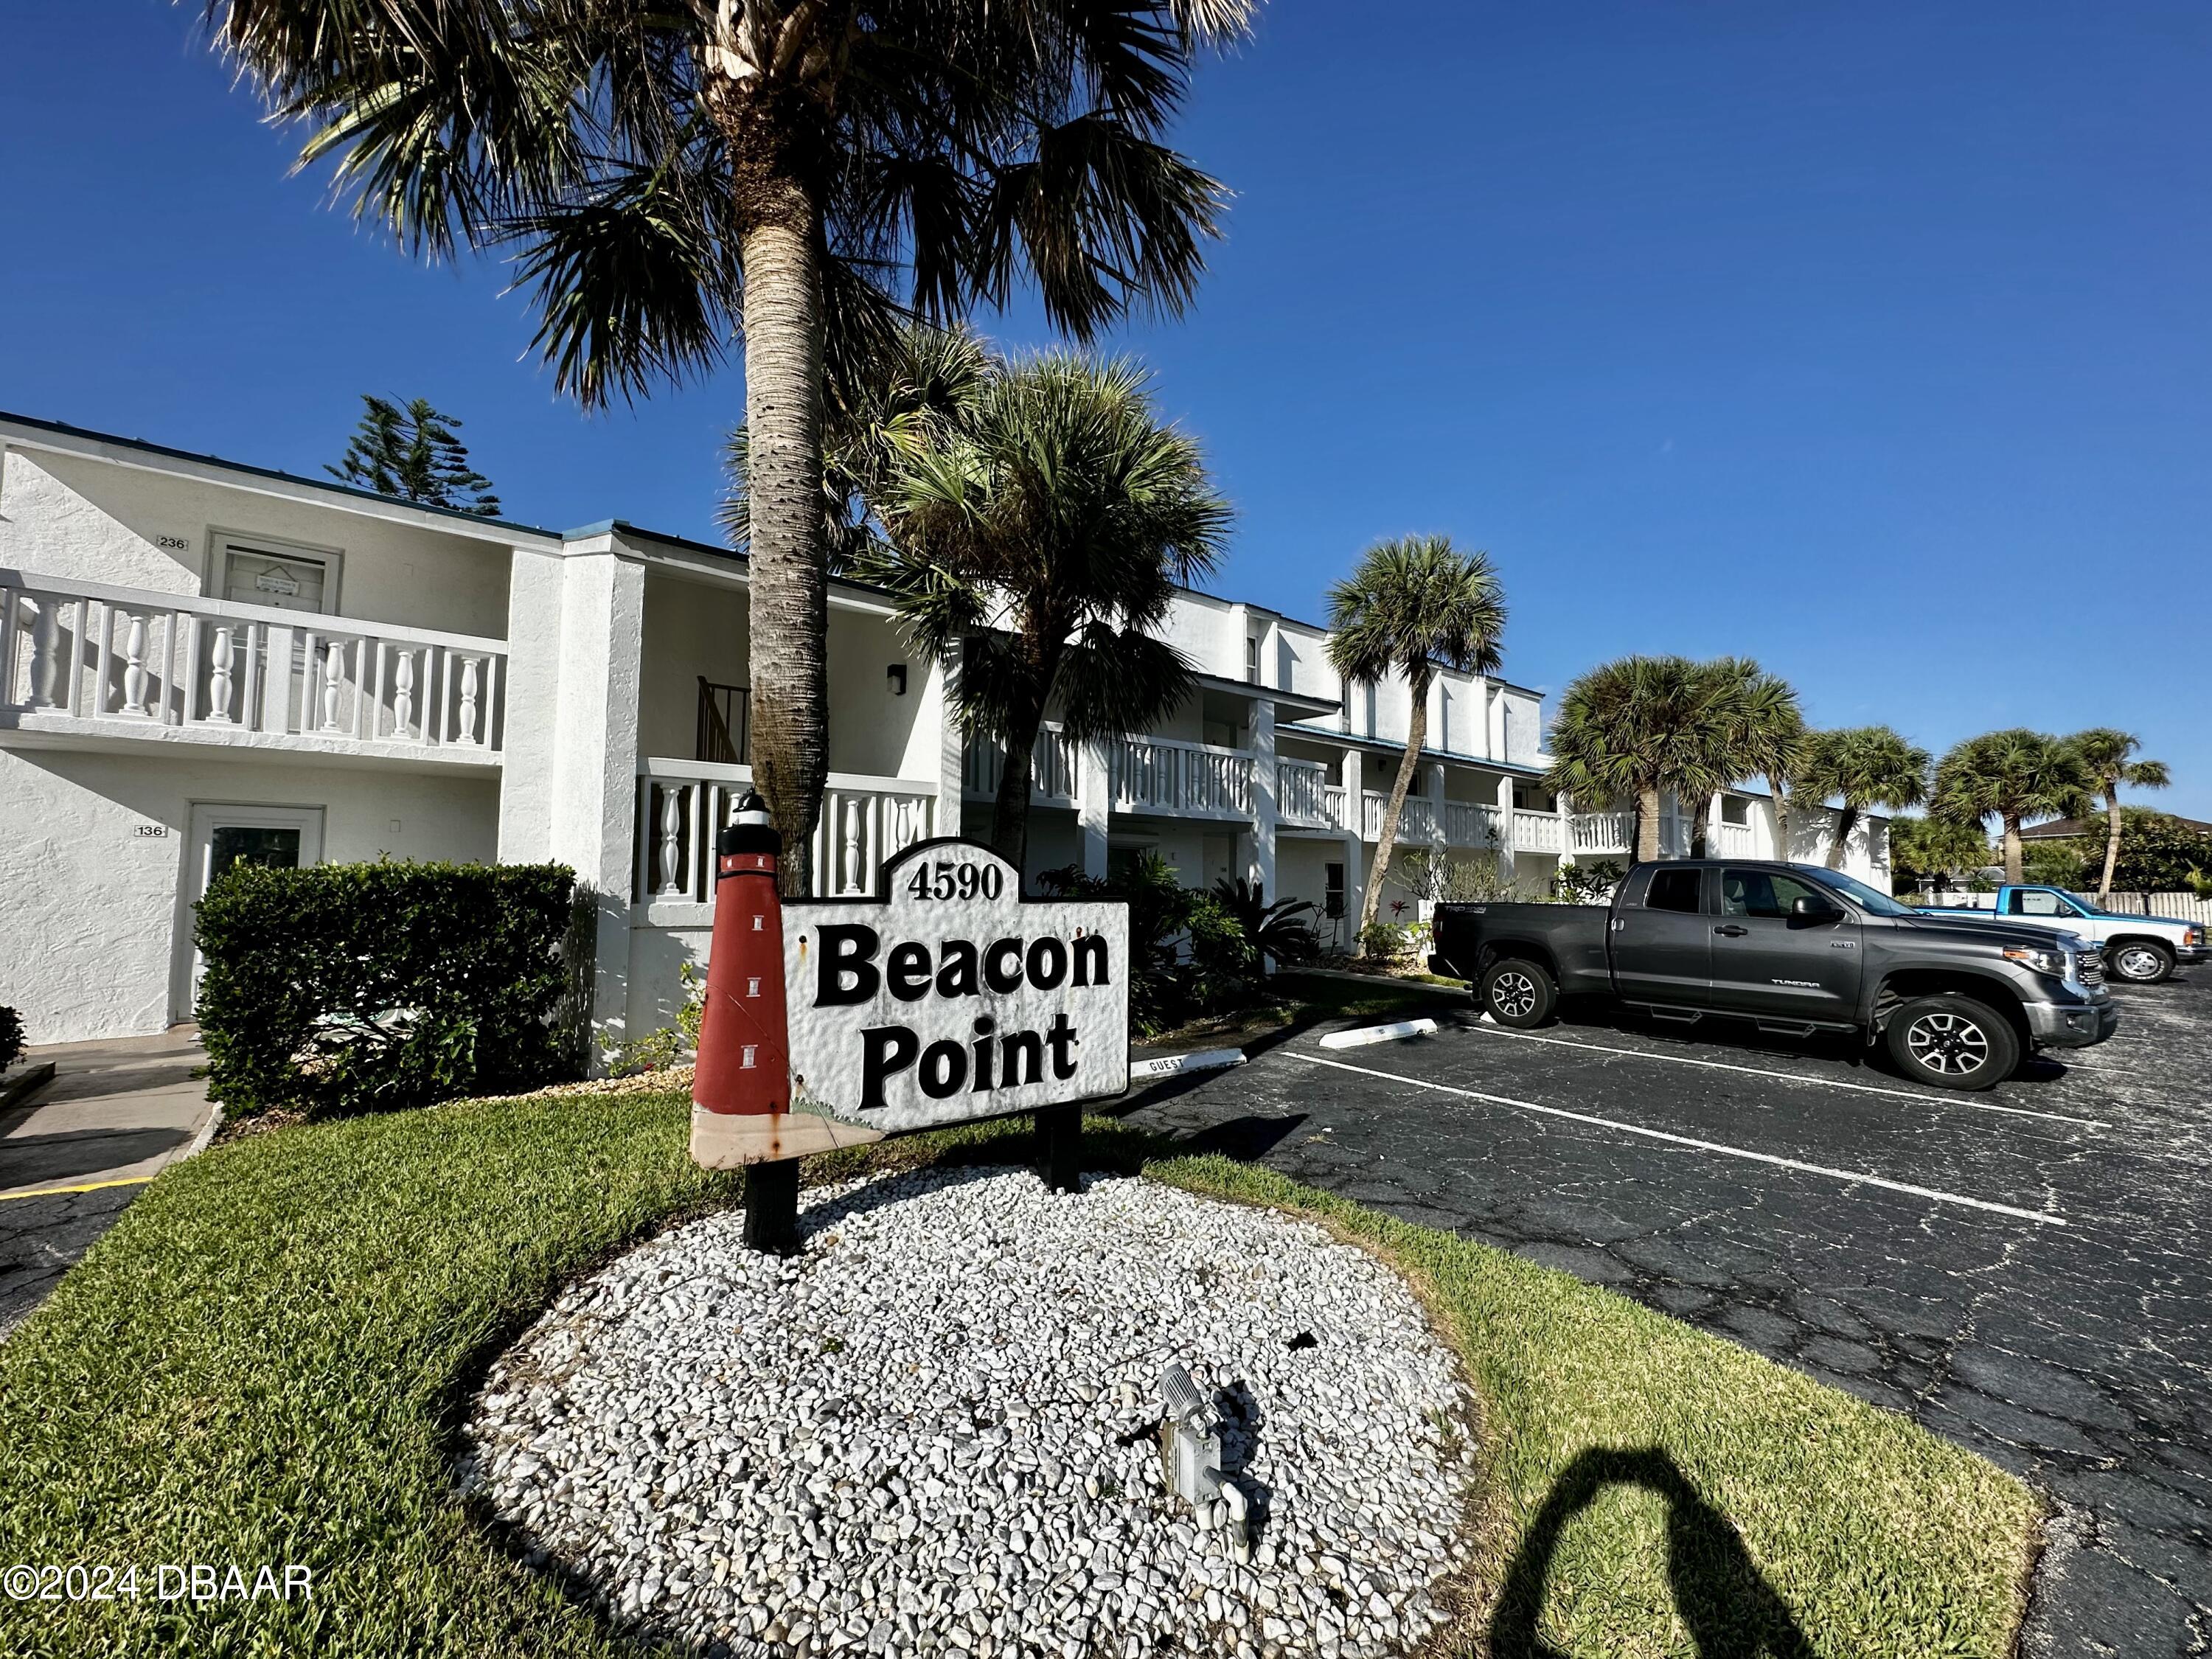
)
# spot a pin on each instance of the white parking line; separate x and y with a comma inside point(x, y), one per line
point(1795, 1077)
point(1857, 1177)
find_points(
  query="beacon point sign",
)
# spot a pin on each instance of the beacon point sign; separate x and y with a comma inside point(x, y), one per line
point(946, 999)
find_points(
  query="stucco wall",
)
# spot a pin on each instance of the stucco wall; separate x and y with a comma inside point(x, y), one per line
point(66, 515)
point(89, 918)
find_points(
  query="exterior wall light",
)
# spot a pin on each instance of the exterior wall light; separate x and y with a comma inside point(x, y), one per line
point(897, 675)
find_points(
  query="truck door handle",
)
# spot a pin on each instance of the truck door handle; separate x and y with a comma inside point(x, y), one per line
point(1732, 931)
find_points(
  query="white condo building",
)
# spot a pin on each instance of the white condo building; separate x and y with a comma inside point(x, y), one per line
point(201, 660)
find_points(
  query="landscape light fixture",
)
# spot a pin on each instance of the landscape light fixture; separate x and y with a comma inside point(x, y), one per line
point(1190, 1463)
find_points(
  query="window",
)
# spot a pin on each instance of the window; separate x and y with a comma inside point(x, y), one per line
point(1674, 889)
point(1252, 658)
point(253, 571)
point(1332, 902)
point(1734, 809)
point(1763, 893)
point(2033, 902)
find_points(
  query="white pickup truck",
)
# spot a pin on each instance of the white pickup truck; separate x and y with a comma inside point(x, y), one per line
point(2138, 950)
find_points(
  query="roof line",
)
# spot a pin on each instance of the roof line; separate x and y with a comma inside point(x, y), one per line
point(327, 485)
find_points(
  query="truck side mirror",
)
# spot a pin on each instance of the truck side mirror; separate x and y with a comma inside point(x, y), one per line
point(1813, 909)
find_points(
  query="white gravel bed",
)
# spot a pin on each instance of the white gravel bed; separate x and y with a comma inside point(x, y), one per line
point(933, 1433)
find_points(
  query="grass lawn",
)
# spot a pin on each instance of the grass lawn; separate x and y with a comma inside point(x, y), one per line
point(266, 1358)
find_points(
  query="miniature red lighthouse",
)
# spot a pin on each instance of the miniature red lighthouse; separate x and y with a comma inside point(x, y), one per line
point(741, 1088)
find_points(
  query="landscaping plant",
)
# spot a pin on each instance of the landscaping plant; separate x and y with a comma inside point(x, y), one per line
point(2011, 776)
point(1278, 932)
point(11, 1037)
point(1188, 958)
point(2109, 758)
point(348, 987)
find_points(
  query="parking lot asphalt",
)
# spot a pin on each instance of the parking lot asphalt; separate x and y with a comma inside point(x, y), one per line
point(2025, 1272)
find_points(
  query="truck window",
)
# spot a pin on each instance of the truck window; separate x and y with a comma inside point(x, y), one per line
point(1762, 893)
point(2036, 902)
point(1674, 889)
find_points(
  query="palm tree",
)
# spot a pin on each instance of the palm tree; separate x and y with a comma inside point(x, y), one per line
point(908, 395)
point(1862, 766)
point(1040, 540)
point(796, 173)
point(2108, 755)
point(1759, 731)
point(2011, 775)
point(1407, 605)
point(1635, 728)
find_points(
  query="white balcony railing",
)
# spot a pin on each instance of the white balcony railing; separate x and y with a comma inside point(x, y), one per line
point(1602, 832)
point(129, 659)
point(1470, 823)
point(1538, 832)
point(1304, 796)
point(1191, 780)
point(682, 805)
point(1054, 773)
point(1729, 840)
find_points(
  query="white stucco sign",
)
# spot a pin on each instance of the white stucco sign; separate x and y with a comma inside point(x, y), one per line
point(951, 997)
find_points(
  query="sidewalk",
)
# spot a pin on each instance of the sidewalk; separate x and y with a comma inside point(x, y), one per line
point(115, 1111)
point(73, 1155)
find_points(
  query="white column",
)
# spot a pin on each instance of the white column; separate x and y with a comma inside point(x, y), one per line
point(952, 749)
point(1439, 836)
point(1094, 802)
point(1506, 872)
point(569, 784)
point(1355, 847)
point(1266, 810)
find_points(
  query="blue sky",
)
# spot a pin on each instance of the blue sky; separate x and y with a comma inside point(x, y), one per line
point(1869, 340)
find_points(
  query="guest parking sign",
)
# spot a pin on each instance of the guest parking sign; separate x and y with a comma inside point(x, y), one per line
point(946, 998)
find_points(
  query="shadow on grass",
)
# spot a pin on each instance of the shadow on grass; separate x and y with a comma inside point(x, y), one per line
point(1729, 1609)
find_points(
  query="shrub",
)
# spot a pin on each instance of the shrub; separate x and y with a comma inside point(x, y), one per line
point(1386, 942)
point(1587, 884)
point(1188, 957)
point(349, 987)
point(11, 1037)
point(656, 1051)
point(1279, 931)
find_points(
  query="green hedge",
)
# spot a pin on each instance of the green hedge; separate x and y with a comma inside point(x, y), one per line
point(350, 987)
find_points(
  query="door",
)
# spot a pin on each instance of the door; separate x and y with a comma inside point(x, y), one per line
point(1770, 962)
point(1662, 941)
point(283, 838)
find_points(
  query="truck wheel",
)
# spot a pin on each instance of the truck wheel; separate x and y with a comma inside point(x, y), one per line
point(1518, 993)
point(2139, 961)
point(1953, 1042)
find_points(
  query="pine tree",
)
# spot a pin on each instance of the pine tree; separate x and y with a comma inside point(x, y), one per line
point(414, 453)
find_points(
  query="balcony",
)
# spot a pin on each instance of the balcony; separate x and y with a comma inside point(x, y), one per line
point(1613, 835)
point(1305, 798)
point(682, 805)
point(83, 664)
point(1054, 776)
point(1181, 780)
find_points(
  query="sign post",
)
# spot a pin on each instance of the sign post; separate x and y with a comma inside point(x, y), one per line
point(948, 998)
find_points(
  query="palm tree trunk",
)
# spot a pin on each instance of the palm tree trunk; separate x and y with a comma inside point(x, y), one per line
point(1701, 828)
point(1416, 732)
point(1647, 825)
point(2112, 841)
point(1847, 819)
point(789, 587)
point(1781, 818)
point(2012, 855)
point(1010, 813)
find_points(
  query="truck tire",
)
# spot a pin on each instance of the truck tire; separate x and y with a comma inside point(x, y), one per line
point(1953, 1042)
point(1518, 993)
point(2139, 961)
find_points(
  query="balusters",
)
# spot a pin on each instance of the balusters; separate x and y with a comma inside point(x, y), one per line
point(134, 666)
point(468, 733)
point(849, 865)
point(333, 678)
point(671, 840)
point(45, 651)
point(403, 694)
point(219, 676)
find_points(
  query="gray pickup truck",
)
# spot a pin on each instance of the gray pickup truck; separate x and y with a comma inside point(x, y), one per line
point(1793, 949)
